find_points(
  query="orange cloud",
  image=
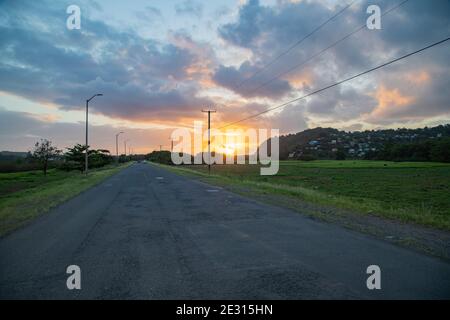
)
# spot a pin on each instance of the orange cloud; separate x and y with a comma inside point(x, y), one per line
point(419, 77)
point(45, 117)
point(299, 81)
point(201, 72)
point(390, 101)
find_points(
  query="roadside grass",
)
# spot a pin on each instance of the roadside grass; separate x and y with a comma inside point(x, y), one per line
point(26, 195)
point(411, 192)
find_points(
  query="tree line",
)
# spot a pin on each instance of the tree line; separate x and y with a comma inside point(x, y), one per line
point(437, 150)
point(73, 159)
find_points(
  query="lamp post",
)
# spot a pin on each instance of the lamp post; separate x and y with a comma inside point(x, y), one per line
point(87, 125)
point(117, 145)
point(125, 146)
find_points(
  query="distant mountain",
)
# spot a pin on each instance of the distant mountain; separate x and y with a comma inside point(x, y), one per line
point(329, 143)
point(11, 155)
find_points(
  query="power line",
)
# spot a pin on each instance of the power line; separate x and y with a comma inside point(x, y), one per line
point(323, 50)
point(340, 82)
point(294, 45)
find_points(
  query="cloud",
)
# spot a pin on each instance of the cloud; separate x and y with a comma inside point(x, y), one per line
point(168, 79)
point(412, 100)
point(267, 31)
point(20, 130)
point(189, 7)
point(234, 79)
point(149, 14)
point(142, 79)
point(247, 28)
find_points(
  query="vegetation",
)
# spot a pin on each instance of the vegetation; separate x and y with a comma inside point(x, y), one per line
point(163, 157)
point(434, 150)
point(407, 191)
point(26, 195)
point(46, 156)
point(26, 192)
point(75, 158)
point(43, 152)
point(424, 144)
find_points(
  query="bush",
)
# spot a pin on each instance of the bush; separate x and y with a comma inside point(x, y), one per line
point(75, 158)
point(69, 165)
point(13, 166)
point(440, 151)
point(307, 157)
point(164, 157)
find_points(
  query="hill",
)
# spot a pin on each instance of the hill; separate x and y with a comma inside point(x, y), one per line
point(424, 144)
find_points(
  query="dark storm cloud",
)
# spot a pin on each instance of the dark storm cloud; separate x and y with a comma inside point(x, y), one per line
point(268, 31)
point(43, 61)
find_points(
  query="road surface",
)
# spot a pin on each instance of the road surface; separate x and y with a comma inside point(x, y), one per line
point(146, 233)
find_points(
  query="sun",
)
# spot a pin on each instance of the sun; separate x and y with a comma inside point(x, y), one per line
point(229, 148)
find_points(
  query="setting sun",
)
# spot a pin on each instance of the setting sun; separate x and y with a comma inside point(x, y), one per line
point(229, 149)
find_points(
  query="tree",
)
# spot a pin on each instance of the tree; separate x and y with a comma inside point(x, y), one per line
point(43, 152)
point(75, 158)
point(99, 158)
point(440, 151)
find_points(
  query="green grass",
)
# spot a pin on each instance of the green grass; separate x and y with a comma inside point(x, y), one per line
point(405, 191)
point(26, 195)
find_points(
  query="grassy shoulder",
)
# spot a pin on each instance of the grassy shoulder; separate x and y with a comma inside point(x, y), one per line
point(409, 192)
point(26, 195)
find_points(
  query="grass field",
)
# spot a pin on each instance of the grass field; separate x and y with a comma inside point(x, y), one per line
point(405, 191)
point(26, 195)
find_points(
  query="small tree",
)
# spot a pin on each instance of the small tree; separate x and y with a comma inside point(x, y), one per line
point(43, 152)
point(75, 158)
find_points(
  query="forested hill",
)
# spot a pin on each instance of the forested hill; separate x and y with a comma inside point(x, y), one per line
point(424, 144)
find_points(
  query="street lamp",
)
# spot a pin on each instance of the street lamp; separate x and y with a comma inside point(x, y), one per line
point(87, 146)
point(117, 144)
point(125, 145)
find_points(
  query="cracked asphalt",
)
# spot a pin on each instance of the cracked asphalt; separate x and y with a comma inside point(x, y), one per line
point(146, 233)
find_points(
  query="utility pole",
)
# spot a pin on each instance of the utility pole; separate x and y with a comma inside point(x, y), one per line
point(160, 151)
point(86, 165)
point(209, 111)
point(117, 145)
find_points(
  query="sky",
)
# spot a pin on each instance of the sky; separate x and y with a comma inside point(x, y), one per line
point(159, 63)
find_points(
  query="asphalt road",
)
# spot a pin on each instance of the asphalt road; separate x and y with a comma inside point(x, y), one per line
point(146, 233)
